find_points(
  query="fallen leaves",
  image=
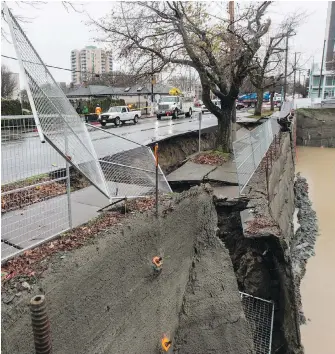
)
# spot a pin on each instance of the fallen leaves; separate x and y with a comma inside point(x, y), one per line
point(212, 158)
point(31, 195)
point(259, 223)
point(33, 262)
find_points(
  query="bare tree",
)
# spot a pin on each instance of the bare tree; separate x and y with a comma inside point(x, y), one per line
point(8, 82)
point(190, 34)
point(267, 70)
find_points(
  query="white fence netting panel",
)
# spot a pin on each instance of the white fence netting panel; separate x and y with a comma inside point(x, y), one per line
point(251, 148)
point(60, 124)
point(259, 314)
point(129, 167)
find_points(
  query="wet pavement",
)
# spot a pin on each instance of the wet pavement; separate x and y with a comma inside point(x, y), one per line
point(26, 157)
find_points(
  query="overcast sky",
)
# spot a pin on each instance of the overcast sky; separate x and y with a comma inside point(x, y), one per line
point(54, 32)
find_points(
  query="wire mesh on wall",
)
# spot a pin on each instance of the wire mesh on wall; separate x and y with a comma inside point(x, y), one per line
point(259, 315)
point(55, 117)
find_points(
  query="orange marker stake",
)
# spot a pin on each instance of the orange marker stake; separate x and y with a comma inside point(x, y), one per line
point(166, 343)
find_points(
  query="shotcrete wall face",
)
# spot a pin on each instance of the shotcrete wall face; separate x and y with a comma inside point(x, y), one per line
point(262, 264)
point(102, 298)
point(316, 127)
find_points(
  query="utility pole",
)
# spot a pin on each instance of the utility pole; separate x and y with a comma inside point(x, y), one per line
point(323, 55)
point(295, 71)
point(285, 74)
point(231, 20)
point(152, 85)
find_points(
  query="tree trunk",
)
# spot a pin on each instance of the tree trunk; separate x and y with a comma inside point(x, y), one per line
point(258, 108)
point(224, 142)
point(271, 101)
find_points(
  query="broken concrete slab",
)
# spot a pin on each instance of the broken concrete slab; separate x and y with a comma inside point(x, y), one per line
point(190, 171)
point(224, 174)
point(226, 192)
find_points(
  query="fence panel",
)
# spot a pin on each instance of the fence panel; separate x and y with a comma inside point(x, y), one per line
point(55, 117)
point(259, 314)
point(251, 148)
point(129, 167)
point(34, 200)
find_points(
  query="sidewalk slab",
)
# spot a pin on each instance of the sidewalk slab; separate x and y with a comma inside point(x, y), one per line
point(190, 171)
point(223, 174)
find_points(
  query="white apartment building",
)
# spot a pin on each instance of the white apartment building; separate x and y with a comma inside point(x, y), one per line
point(89, 61)
point(327, 87)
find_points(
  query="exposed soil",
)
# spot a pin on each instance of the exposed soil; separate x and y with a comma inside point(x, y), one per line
point(102, 297)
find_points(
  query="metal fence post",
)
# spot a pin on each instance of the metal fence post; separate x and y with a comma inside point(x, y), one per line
point(200, 118)
point(253, 152)
point(68, 180)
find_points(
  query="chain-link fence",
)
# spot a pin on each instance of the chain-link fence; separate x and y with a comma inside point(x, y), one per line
point(251, 148)
point(259, 315)
point(34, 188)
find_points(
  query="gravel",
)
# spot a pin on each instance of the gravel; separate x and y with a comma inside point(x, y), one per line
point(302, 247)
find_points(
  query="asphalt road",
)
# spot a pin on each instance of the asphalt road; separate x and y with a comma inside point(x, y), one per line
point(26, 156)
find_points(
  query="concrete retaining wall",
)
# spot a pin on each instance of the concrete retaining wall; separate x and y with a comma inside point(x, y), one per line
point(281, 188)
point(316, 127)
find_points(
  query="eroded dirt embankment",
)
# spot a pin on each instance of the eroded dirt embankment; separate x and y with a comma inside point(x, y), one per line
point(102, 298)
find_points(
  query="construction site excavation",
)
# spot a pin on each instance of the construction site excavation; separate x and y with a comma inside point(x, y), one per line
point(170, 243)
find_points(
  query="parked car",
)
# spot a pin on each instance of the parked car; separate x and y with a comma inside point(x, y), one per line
point(328, 101)
point(119, 115)
point(239, 105)
point(204, 109)
point(175, 107)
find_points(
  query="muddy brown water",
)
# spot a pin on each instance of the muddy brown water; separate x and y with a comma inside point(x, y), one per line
point(317, 165)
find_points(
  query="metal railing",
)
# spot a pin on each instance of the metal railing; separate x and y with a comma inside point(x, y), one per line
point(251, 148)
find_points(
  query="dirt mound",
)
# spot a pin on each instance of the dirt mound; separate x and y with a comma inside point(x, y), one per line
point(103, 299)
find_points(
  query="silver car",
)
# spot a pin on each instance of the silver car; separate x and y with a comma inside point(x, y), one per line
point(328, 101)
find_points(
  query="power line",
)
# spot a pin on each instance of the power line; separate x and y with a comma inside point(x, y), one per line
point(59, 68)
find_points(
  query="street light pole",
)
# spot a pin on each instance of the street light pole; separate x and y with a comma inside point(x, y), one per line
point(323, 55)
point(152, 85)
point(295, 71)
point(285, 75)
